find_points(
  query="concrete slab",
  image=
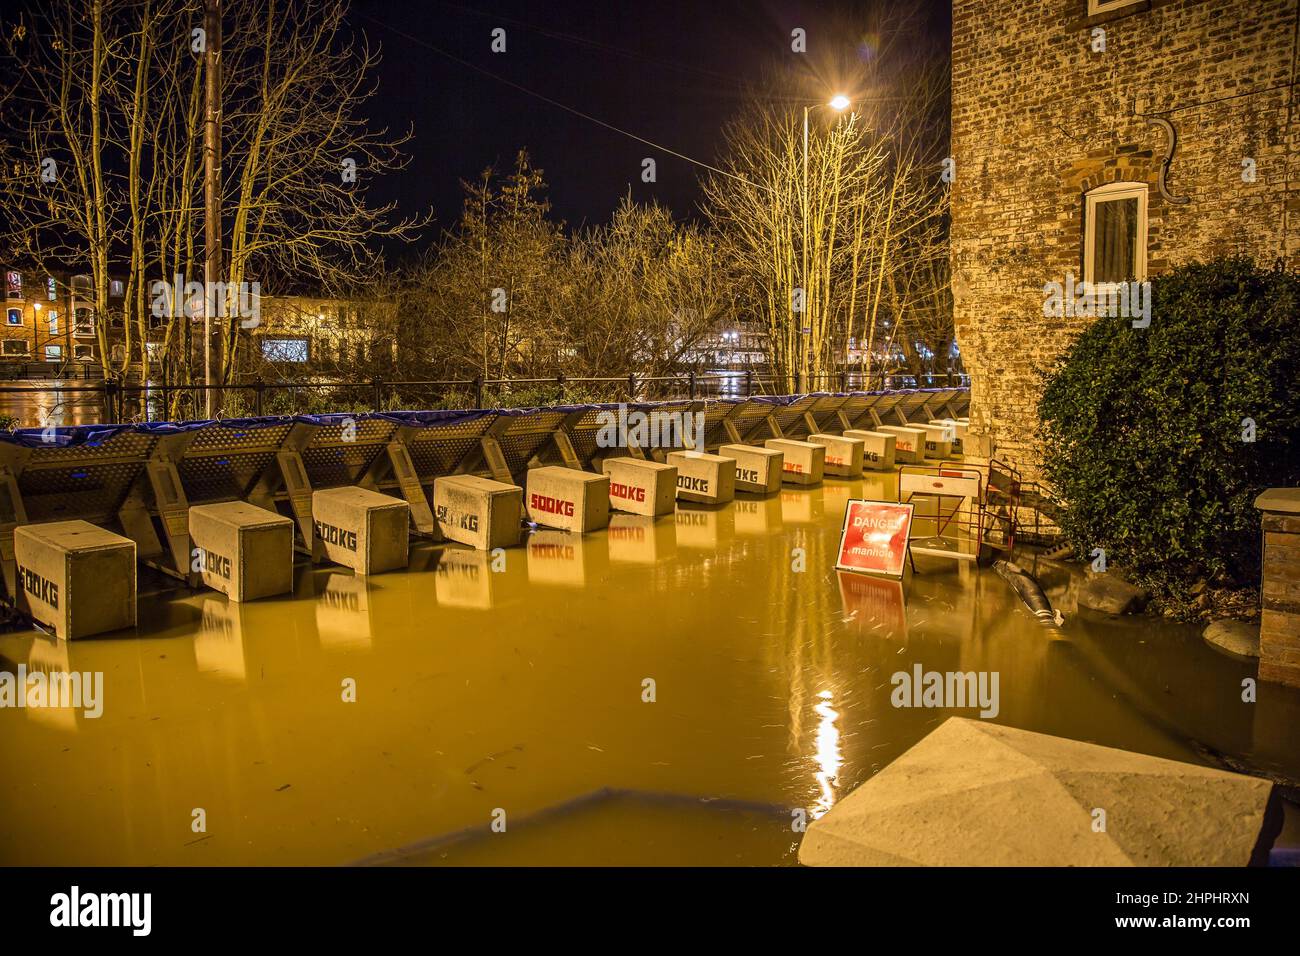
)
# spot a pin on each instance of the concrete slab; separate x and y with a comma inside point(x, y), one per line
point(974, 793)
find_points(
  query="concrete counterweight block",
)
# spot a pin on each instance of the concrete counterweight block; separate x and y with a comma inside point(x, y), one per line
point(567, 499)
point(909, 443)
point(640, 487)
point(956, 430)
point(362, 529)
point(843, 454)
point(479, 512)
point(805, 461)
point(938, 441)
point(757, 469)
point(75, 577)
point(877, 449)
point(245, 552)
point(708, 479)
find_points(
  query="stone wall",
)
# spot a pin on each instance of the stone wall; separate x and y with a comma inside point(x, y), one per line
point(1039, 119)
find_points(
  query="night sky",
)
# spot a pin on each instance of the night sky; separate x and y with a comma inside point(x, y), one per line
point(670, 71)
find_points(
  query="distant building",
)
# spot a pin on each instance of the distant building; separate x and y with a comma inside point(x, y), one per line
point(1064, 114)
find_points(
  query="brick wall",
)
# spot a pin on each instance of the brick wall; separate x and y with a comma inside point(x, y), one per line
point(1038, 119)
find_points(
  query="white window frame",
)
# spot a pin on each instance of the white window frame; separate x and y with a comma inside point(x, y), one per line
point(25, 353)
point(83, 352)
point(57, 355)
point(1110, 193)
point(1098, 7)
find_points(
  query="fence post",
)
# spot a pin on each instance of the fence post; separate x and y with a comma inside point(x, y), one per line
point(377, 385)
point(559, 381)
point(107, 410)
point(478, 391)
point(844, 381)
point(691, 385)
point(258, 388)
point(749, 383)
point(631, 386)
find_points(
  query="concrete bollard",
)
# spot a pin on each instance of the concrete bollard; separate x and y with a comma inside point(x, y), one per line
point(805, 461)
point(245, 552)
point(640, 487)
point(707, 479)
point(843, 454)
point(479, 512)
point(877, 449)
point(757, 469)
point(74, 577)
point(362, 529)
point(909, 443)
point(567, 499)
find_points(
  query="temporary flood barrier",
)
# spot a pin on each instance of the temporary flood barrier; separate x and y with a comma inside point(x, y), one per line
point(640, 487)
point(241, 550)
point(877, 449)
point(805, 461)
point(843, 457)
point(567, 499)
point(758, 470)
point(909, 443)
point(140, 480)
point(480, 512)
point(75, 578)
point(361, 529)
point(704, 478)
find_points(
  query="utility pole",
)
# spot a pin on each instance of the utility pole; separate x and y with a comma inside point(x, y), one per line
point(212, 267)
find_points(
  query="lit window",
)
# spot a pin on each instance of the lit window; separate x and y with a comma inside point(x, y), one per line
point(54, 353)
point(14, 285)
point(51, 288)
point(1109, 6)
point(284, 350)
point(1115, 233)
point(54, 323)
point(83, 321)
point(15, 316)
point(115, 287)
point(84, 353)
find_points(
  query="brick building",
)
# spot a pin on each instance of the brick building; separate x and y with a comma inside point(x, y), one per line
point(1062, 112)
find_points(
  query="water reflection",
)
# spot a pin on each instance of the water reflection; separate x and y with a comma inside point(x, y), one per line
point(521, 687)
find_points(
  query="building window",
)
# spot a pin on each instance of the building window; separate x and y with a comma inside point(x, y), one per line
point(83, 321)
point(116, 287)
point(81, 286)
point(54, 323)
point(285, 350)
point(14, 285)
point(84, 353)
point(1096, 7)
point(54, 353)
point(15, 316)
point(19, 347)
point(1115, 233)
point(51, 288)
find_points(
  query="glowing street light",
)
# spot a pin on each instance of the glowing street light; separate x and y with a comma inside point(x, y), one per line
point(839, 102)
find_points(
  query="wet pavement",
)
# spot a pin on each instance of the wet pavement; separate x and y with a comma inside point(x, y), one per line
point(515, 696)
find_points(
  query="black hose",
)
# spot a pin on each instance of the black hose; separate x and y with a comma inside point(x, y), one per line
point(1023, 583)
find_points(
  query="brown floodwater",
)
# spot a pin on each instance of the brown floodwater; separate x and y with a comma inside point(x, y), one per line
point(516, 695)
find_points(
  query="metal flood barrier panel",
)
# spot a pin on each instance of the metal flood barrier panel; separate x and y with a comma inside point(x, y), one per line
point(140, 479)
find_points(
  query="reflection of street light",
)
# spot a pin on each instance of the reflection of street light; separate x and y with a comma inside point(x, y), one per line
point(839, 102)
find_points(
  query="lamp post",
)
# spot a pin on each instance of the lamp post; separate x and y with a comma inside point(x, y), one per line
point(839, 103)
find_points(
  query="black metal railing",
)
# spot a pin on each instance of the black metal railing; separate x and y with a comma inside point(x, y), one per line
point(81, 402)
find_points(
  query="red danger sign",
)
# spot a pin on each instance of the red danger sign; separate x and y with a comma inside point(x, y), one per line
point(874, 539)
